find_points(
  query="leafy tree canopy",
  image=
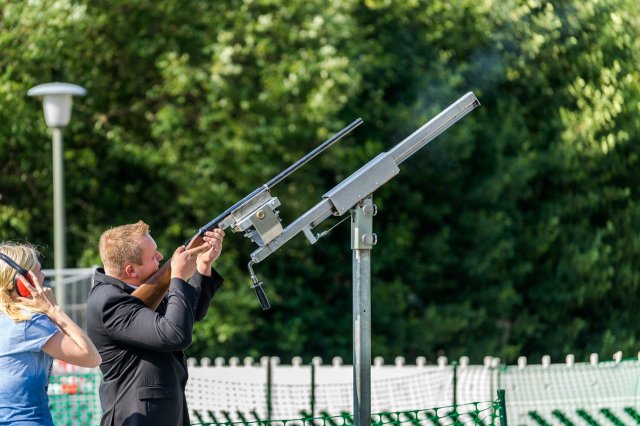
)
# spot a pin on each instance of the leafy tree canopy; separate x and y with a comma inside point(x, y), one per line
point(516, 232)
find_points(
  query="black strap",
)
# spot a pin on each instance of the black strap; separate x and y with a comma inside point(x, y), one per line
point(14, 265)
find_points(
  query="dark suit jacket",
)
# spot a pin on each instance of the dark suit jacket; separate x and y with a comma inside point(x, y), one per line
point(143, 366)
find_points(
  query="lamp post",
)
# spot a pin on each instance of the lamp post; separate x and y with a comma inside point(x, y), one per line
point(57, 100)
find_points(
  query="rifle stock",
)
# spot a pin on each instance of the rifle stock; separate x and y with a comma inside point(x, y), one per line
point(152, 292)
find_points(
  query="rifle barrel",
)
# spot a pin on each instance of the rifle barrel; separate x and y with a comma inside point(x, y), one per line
point(301, 162)
point(275, 180)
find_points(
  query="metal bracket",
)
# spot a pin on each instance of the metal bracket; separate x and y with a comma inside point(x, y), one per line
point(362, 235)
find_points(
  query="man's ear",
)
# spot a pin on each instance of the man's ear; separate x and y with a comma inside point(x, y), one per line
point(130, 271)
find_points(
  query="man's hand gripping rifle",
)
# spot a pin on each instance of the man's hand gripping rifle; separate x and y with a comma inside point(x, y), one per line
point(256, 215)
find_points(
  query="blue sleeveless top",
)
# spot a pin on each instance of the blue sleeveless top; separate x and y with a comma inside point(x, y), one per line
point(25, 370)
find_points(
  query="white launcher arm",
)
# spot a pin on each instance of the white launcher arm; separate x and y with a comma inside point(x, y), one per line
point(369, 177)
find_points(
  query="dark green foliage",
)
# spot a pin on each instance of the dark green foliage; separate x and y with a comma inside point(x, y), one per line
point(516, 232)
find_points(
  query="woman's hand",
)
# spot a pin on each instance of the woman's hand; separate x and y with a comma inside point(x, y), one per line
point(42, 298)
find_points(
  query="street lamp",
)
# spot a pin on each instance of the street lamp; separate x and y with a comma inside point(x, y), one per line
point(57, 99)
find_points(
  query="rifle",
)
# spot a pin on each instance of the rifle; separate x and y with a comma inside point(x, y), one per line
point(255, 214)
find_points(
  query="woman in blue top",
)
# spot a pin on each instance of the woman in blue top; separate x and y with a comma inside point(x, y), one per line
point(33, 331)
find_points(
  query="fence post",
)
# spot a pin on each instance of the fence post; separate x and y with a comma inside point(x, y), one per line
point(269, 383)
point(503, 407)
point(455, 385)
point(313, 389)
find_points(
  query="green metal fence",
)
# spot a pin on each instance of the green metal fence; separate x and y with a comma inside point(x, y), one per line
point(476, 413)
point(74, 400)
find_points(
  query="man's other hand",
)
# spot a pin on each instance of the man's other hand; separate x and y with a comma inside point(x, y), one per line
point(213, 242)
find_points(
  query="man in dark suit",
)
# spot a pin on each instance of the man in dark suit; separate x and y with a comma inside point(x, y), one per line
point(143, 366)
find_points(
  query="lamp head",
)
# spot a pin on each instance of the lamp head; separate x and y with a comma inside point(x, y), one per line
point(57, 100)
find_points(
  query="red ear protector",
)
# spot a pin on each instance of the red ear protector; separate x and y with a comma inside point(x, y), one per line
point(21, 276)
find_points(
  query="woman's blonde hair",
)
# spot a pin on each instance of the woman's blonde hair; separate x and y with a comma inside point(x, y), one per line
point(26, 256)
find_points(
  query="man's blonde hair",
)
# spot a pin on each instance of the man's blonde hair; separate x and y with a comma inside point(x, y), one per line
point(26, 256)
point(121, 245)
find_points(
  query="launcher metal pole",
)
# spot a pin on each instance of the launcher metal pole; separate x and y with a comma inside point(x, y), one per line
point(362, 241)
point(354, 194)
